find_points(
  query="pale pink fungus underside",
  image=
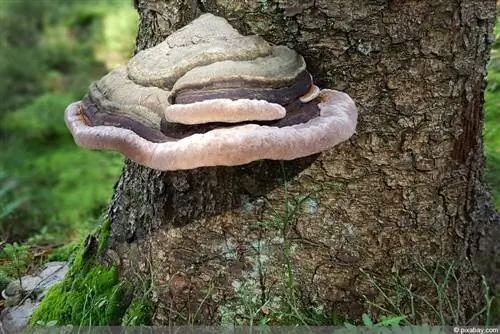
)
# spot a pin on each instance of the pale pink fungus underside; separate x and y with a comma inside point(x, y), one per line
point(227, 146)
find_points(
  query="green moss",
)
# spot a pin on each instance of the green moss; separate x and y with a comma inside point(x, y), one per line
point(138, 313)
point(118, 302)
point(91, 293)
point(4, 279)
point(63, 253)
point(104, 235)
point(92, 296)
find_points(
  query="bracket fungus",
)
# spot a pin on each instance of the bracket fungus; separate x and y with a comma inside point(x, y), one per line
point(208, 96)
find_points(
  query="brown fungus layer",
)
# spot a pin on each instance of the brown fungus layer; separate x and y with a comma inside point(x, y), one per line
point(248, 90)
point(93, 117)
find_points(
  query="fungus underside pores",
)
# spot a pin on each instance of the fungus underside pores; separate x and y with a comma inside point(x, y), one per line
point(208, 96)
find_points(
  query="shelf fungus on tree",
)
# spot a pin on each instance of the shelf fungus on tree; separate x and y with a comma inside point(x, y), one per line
point(208, 96)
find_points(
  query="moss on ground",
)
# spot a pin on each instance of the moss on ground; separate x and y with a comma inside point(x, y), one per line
point(64, 253)
point(91, 293)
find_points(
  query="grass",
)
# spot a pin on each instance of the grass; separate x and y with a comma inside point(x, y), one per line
point(399, 298)
point(251, 306)
point(138, 313)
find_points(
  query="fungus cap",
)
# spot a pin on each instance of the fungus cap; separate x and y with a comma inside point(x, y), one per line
point(240, 101)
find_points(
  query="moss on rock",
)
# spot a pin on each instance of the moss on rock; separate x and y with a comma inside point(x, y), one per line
point(90, 294)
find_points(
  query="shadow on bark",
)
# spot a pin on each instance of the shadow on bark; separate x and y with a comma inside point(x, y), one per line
point(174, 199)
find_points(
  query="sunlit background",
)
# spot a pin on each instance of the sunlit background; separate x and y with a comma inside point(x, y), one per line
point(492, 121)
point(51, 192)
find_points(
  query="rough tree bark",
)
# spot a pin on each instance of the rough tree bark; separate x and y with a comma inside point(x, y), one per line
point(406, 191)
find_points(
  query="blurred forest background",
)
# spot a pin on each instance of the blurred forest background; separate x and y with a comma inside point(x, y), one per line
point(52, 193)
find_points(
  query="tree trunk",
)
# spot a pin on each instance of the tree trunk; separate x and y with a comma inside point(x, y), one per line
point(404, 196)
